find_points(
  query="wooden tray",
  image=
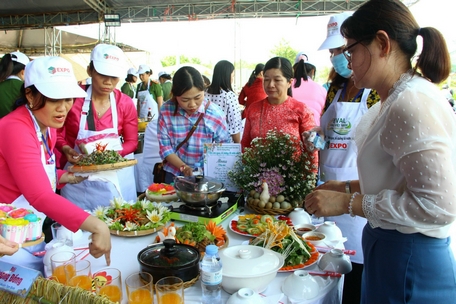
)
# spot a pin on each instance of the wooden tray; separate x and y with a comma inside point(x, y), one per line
point(33, 243)
point(106, 167)
point(135, 233)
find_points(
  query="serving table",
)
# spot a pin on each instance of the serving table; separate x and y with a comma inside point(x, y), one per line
point(124, 257)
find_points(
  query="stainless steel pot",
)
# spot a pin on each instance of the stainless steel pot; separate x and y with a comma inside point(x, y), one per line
point(198, 191)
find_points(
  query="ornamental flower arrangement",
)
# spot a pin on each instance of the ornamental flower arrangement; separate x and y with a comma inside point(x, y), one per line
point(279, 160)
point(128, 216)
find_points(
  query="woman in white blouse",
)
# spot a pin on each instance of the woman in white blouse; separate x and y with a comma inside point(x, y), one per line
point(221, 93)
point(406, 160)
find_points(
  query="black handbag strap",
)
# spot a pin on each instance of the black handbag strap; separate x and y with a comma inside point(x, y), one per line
point(193, 128)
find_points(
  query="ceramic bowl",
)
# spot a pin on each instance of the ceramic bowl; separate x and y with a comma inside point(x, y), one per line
point(250, 266)
point(245, 296)
point(336, 261)
point(300, 285)
point(298, 217)
point(316, 238)
point(304, 228)
point(331, 231)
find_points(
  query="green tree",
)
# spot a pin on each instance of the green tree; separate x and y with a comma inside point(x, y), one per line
point(171, 60)
point(283, 49)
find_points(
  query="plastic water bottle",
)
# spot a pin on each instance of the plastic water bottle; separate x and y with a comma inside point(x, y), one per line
point(211, 276)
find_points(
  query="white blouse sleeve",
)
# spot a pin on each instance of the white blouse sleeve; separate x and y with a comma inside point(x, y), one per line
point(419, 135)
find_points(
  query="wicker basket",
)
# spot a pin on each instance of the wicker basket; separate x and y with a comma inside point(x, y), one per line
point(259, 210)
point(46, 291)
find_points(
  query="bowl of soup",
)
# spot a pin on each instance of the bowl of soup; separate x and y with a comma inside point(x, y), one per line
point(316, 238)
point(304, 228)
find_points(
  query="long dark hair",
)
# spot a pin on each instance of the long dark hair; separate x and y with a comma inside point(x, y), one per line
point(284, 65)
point(258, 69)
point(9, 67)
point(184, 79)
point(393, 17)
point(221, 79)
point(300, 73)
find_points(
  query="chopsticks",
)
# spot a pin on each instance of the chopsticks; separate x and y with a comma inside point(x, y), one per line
point(326, 249)
point(325, 274)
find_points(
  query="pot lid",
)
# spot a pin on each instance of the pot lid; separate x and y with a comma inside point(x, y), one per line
point(198, 184)
point(169, 254)
point(249, 260)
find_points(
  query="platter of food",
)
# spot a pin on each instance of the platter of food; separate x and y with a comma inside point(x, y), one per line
point(105, 167)
point(251, 224)
point(196, 234)
point(101, 160)
point(133, 219)
point(281, 238)
point(161, 192)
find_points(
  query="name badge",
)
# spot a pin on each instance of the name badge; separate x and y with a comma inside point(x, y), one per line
point(16, 279)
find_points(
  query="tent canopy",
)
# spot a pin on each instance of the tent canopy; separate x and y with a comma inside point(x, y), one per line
point(45, 13)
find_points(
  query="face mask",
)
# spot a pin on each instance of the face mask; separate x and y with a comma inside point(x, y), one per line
point(340, 63)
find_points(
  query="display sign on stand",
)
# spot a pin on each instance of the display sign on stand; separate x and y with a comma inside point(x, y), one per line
point(219, 158)
point(16, 279)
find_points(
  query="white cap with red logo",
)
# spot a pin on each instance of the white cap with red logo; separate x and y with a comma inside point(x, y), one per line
point(334, 38)
point(109, 60)
point(53, 77)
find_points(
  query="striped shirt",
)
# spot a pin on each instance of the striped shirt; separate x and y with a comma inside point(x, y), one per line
point(172, 129)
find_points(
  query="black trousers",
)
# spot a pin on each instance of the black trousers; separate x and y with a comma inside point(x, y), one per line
point(352, 285)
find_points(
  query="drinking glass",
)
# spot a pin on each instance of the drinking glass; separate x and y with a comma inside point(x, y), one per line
point(108, 283)
point(140, 288)
point(81, 277)
point(170, 290)
point(63, 264)
point(62, 234)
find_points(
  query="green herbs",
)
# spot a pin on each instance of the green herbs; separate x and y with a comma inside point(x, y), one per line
point(101, 158)
point(196, 232)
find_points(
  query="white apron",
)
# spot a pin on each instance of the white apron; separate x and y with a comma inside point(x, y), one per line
point(146, 102)
point(90, 194)
point(24, 257)
point(338, 162)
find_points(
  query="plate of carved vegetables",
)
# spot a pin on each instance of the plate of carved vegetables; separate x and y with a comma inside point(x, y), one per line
point(131, 219)
point(281, 238)
point(251, 224)
point(198, 235)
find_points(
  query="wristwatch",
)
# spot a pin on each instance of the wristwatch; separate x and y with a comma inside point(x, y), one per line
point(182, 168)
point(347, 186)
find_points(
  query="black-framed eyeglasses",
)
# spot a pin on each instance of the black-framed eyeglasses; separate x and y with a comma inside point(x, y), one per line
point(346, 50)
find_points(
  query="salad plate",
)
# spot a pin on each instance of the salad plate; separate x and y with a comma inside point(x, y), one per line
point(314, 256)
point(250, 225)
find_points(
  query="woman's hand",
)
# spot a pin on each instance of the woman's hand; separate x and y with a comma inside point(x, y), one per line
point(70, 178)
point(7, 247)
point(101, 238)
point(187, 171)
point(71, 155)
point(305, 137)
point(327, 203)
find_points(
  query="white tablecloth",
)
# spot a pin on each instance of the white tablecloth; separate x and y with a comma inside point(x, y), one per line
point(124, 257)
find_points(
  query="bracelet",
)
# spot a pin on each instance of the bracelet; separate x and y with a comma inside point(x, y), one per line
point(347, 187)
point(350, 204)
point(182, 168)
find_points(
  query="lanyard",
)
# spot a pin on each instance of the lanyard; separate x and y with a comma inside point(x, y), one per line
point(344, 91)
point(51, 161)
